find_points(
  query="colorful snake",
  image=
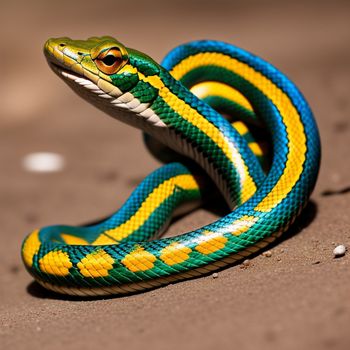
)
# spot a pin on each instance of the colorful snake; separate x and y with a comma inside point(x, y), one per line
point(177, 105)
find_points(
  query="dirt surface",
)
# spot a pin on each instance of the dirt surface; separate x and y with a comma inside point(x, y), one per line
point(296, 299)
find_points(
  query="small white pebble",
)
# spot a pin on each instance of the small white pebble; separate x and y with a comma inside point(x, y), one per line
point(246, 262)
point(267, 254)
point(339, 250)
point(215, 275)
point(43, 162)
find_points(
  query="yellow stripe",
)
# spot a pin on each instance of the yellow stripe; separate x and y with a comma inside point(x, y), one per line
point(175, 253)
point(31, 247)
point(240, 127)
point(55, 263)
point(192, 116)
point(291, 119)
point(152, 202)
point(255, 147)
point(214, 88)
point(96, 264)
point(128, 68)
point(103, 239)
point(73, 240)
point(139, 260)
point(242, 225)
point(210, 242)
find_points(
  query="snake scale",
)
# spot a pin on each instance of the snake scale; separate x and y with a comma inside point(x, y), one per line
point(180, 105)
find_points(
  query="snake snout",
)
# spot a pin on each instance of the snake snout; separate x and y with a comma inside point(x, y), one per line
point(56, 42)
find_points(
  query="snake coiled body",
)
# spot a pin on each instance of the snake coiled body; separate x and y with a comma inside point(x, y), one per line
point(176, 105)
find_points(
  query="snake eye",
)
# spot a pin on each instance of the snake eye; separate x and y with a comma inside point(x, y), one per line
point(109, 61)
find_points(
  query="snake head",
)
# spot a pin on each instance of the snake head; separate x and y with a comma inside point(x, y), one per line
point(108, 75)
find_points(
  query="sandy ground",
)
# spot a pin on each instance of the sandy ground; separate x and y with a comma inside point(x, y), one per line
point(296, 299)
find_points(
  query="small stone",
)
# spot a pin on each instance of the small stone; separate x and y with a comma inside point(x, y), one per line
point(38, 329)
point(267, 254)
point(339, 250)
point(215, 275)
point(43, 162)
point(246, 262)
point(282, 250)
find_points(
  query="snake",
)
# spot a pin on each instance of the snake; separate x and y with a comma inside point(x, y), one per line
point(183, 106)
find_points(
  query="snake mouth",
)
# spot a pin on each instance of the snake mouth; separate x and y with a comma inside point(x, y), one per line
point(61, 70)
point(106, 96)
point(54, 63)
point(67, 74)
point(92, 88)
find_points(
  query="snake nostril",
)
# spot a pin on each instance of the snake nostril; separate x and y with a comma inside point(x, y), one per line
point(80, 53)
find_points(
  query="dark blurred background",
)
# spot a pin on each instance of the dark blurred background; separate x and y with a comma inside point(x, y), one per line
point(104, 160)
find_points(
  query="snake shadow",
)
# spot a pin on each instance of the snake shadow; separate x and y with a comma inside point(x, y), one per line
point(332, 192)
point(307, 216)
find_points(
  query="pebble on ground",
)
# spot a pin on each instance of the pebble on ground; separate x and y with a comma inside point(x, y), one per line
point(267, 254)
point(339, 250)
point(43, 162)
